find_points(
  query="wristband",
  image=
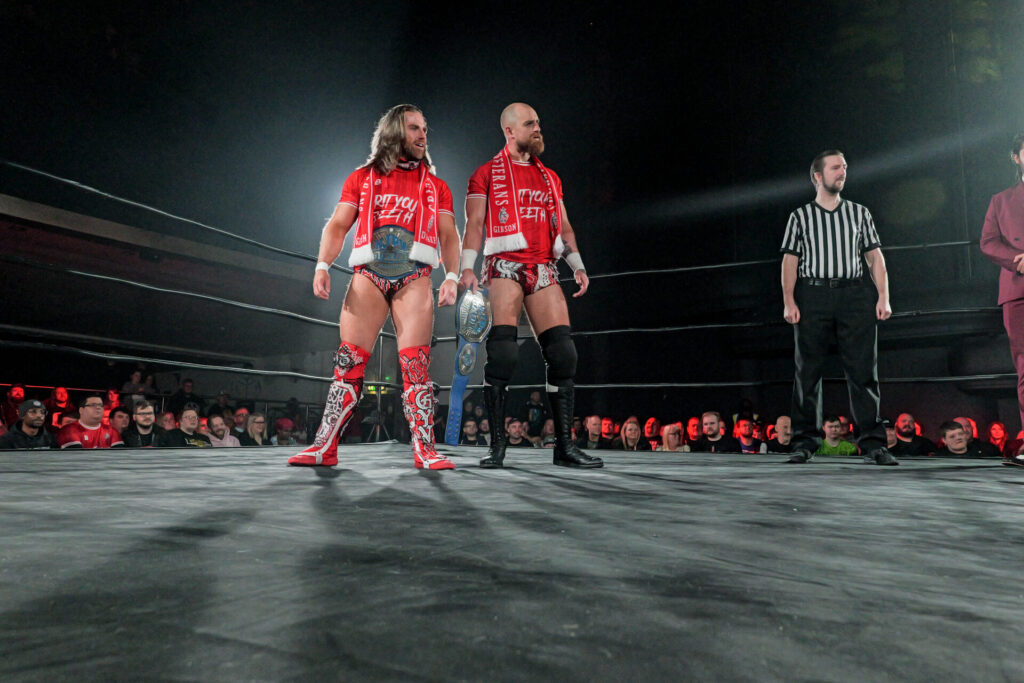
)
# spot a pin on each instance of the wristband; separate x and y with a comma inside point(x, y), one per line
point(469, 258)
point(323, 265)
point(575, 262)
point(451, 276)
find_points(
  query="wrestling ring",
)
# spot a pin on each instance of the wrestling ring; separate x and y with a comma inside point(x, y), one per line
point(227, 565)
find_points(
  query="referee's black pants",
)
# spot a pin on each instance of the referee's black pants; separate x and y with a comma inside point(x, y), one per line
point(846, 316)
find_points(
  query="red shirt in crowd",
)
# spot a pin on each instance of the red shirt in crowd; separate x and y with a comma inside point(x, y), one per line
point(76, 434)
point(533, 197)
point(397, 198)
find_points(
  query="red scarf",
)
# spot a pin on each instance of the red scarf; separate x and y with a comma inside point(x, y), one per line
point(504, 233)
point(424, 247)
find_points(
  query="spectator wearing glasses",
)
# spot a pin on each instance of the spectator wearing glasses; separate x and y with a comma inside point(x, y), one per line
point(88, 431)
point(143, 432)
point(28, 433)
point(255, 432)
point(187, 434)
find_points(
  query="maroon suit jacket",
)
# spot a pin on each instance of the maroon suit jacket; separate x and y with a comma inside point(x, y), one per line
point(1002, 238)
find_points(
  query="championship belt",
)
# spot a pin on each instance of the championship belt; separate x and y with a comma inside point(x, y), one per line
point(472, 323)
point(391, 245)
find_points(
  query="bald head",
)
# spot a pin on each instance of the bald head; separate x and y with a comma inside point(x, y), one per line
point(521, 127)
point(514, 113)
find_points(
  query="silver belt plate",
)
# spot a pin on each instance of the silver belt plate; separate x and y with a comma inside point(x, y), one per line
point(391, 245)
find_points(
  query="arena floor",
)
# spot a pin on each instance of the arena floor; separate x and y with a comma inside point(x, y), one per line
point(227, 565)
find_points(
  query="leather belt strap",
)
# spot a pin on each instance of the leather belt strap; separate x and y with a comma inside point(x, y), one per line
point(832, 283)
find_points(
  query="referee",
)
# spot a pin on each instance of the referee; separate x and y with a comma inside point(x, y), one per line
point(828, 300)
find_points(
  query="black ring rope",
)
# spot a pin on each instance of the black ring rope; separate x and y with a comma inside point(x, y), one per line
point(652, 385)
point(310, 257)
point(759, 262)
point(759, 383)
point(39, 346)
point(164, 290)
point(219, 231)
point(767, 323)
point(328, 323)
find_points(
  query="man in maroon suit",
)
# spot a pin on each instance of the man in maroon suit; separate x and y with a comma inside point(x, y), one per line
point(1002, 240)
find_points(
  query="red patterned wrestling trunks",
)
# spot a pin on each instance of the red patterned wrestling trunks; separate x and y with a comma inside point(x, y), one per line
point(532, 277)
point(389, 287)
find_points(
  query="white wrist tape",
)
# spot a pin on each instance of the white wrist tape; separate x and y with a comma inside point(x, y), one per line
point(323, 265)
point(469, 258)
point(451, 275)
point(575, 262)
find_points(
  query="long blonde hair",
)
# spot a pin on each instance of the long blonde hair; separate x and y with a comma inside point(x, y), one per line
point(259, 437)
point(389, 140)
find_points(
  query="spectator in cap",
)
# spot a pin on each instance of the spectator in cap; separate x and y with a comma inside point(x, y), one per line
point(284, 428)
point(28, 432)
point(241, 422)
point(221, 406)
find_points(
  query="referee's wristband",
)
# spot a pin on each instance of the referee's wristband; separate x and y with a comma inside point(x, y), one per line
point(451, 276)
point(323, 265)
point(575, 262)
point(469, 258)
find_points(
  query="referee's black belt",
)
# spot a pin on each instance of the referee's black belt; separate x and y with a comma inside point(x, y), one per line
point(832, 283)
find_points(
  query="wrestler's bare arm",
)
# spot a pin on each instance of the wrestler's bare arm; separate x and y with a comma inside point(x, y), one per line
point(476, 209)
point(449, 238)
point(331, 241)
point(569, 240)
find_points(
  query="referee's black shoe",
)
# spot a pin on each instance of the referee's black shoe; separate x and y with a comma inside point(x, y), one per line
point(880, 456)
point(800, 456)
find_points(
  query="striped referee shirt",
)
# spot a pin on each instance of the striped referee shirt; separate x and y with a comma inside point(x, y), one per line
point(830, 244)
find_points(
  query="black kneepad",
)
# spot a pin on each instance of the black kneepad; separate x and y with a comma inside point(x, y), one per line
point(560, 355)
point(502, 354)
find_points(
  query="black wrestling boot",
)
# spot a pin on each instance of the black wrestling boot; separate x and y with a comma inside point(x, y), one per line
point(566, 452)
point(494, 398)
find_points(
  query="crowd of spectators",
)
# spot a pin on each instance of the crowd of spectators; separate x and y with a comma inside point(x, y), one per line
point(128, 418)
point(742, 432)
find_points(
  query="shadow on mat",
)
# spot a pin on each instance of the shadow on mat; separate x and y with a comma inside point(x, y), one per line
point(132, 617)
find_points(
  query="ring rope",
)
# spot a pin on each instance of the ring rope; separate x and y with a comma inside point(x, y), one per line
point(759, 262)
point(310, 257)
point(759, 383)
point(720, 326)
point(164, 290)
point(4, 343)
point(219, 231)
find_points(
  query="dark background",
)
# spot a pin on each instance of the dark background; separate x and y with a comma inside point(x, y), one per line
point(683, 138)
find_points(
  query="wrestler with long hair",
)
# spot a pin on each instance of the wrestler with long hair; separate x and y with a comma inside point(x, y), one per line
point(400, 213)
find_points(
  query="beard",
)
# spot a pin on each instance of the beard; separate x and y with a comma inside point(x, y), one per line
point(907, 433)
point(413, 153)
point(533, 146)
point(835, 188)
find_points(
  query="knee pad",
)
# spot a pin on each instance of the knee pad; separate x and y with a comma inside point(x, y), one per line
point(502, 354)
point(560, 355)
